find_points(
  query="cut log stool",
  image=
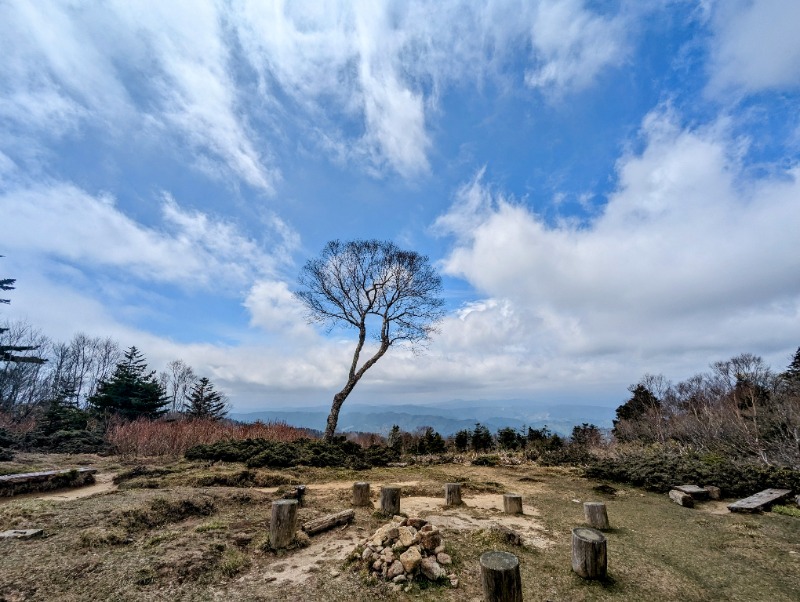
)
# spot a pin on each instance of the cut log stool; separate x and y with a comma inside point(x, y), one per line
point(282, 524)
point(452, 494)
point(589, 553)
point(390, 500)
point(512, 503)
point(361, 494)
point(500, 577)
point(596, 515)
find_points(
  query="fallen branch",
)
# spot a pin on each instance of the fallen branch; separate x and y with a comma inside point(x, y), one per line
point(318, 525)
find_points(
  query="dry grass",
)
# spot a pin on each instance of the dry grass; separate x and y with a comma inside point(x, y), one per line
point(142, 438)
point(184, 542)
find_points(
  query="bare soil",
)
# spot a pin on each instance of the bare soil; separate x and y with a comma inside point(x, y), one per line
point(159, 535)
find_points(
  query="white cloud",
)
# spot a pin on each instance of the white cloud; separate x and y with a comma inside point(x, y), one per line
point(272, 306)
point(685, 252)
point(572, 45)
point(191, 249)
point(755, 46)
point(124, 67)
point(170, 70)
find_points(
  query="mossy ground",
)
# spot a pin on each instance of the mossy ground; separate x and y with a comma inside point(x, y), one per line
point(194, 531)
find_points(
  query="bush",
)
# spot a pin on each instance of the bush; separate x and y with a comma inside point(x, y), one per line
point(660, 470)
point(257, 453)
point(66, 442)
point(490, 460)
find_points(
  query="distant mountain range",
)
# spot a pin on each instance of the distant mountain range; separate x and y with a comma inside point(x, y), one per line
point(446, 418)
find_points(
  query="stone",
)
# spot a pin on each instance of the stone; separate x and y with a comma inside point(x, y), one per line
point(430, 540)
point(714, 493)
point(417, 523)
point(395, 570)
point(400, 579)
point(438, 549)
point(697, 493)
point(431, 569)
point(443, 558)
point(406, 535)
point(377, 565)
point(427, 527)
point(21, 533)
point(366, 554)
point(411, 559)
point(681, 498)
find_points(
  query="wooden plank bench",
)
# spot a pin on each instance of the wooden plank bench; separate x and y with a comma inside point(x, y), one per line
point(760, 501)
point(26, 482)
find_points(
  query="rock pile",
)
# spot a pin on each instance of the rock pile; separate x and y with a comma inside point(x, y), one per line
point(405, 549)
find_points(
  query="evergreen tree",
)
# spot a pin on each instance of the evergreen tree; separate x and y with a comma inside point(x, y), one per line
point(204, 402)
point(131, 392)
point(792, 375)
point(640, 402)
point(508, 438)
point(395, 439)
point(6, 355)
point(461, 440)
point(481, 438)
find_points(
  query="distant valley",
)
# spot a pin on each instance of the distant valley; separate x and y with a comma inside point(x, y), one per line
point(446, 418)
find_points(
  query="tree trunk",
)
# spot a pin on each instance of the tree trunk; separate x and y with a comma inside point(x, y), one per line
point(500, 577)
point(282, 524)
point(452, 494)
point(390, 500)
point(596, 515)
point(589, 553)
point(324, 523)
point(352, 380)
point(512, 503)
point(361, 494)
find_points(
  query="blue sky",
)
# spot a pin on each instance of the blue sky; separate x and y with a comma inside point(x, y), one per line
point(608, 188)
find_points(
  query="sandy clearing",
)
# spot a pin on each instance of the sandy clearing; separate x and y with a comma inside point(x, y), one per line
point(328, 550)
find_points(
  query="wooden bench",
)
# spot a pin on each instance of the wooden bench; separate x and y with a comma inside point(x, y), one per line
point(760, 501)
point(698, 493)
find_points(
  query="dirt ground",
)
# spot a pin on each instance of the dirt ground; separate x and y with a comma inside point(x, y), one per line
point(164, 533)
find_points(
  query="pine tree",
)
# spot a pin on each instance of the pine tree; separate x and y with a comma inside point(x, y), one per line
point(792, 375)
point(131, 392)
point(6, 355)
point(461, 440)
point(204, 402)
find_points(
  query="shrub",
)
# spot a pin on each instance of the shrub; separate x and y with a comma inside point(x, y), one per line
point(489, 460)
point(257, 453)
point(660, 470)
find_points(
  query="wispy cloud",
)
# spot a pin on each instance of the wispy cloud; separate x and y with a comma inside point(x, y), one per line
point(572, 45)
point(190, 248)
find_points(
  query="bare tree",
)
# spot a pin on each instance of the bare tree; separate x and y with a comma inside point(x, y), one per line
point(177, 381)
point(370, 285)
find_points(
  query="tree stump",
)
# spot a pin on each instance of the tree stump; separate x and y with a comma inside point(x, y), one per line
point(282, 524)
point(361, 494)
point(596, 515)
point(512, 503)
point(390, 500)
point(500, 577)
point(452, 494)
point(589, 553)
